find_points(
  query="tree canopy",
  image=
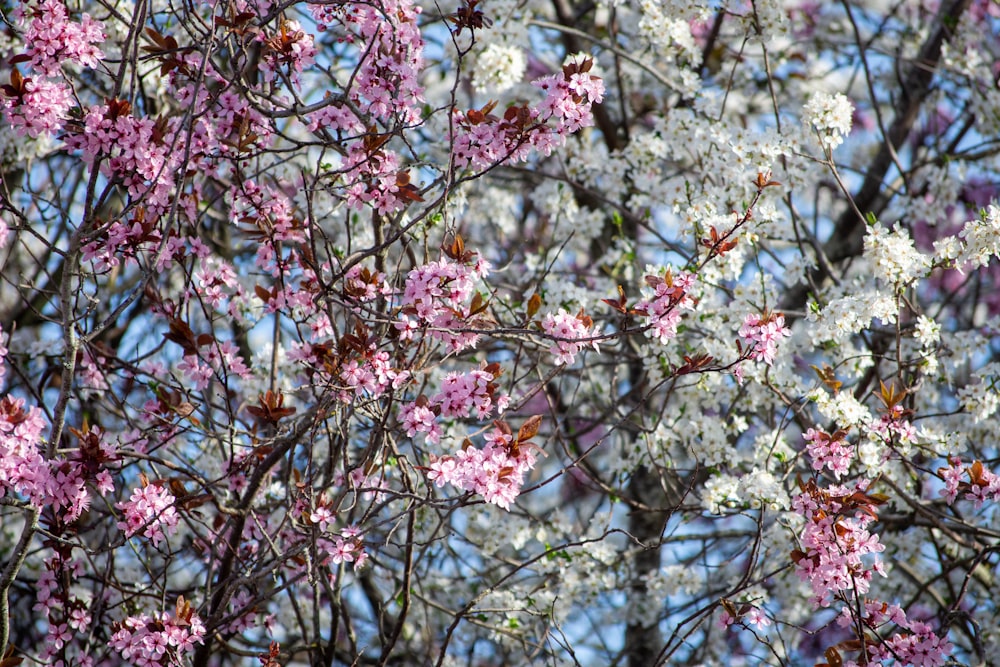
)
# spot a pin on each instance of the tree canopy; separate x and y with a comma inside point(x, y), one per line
point(535, 332)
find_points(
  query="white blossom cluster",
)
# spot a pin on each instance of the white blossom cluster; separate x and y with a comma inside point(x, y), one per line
point(830, 115)
point(499, 67)
point(896, 260)
point(981, 399)
point(927, 332)
point(842, 408)
point(721, 491)
point(845, 316)
point(982, 238)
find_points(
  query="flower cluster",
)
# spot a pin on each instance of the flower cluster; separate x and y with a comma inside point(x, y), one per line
point(53, 39)
point(570, 95)
point(348, 547)
point(839, 554)
point(761, 334)
point(36, 107)
point(981, 237)
point(40, 105)
point(134, 151)
point(23, 469)
point(460, 395)
point(387, 33)
point(483, 140)
point(291, 47)
point(917, 644)
point(671, 295)
point(896, 260)
point(161, 639)
point(829, 450)
point(831, 116)
point(496, 472)
point(572, 334)
point(150, 510)
point(435, 295)
point(983, 483)
point(499, 67)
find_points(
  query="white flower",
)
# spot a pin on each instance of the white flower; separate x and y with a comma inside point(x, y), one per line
point(843, 409)
point(831, 116)
point(896, 260)
point(980, 400)
point(928, 332)
point(498, 68)
point(764, 488)
point(721, 491)
point(982, 238)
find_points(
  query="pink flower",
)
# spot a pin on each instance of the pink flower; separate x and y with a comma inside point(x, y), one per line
point(150, 509)
point(41, 109)
point(663, 308)
point(761, 335)
point(570, 333)
point(322, 517)
point(830, 451)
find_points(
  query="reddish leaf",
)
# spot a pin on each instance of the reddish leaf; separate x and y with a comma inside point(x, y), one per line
point(534, 303)
point(529, 428)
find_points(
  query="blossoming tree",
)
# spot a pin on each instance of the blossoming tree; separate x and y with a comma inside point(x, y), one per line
point(391, 332)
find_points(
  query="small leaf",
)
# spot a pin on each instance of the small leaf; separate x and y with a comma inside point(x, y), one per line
point(262, 293)
point(529, 428)
point(534, 304)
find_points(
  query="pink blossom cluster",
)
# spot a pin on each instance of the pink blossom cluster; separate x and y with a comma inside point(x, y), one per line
point(482, 140)
point(384, 88)
point(348, 547)
point(893, 426)
point(40, 107)
point(150, 510)
point(983, 483)
point(829, 450)
point(214, 281)
point(335, 117)
point(420, 417)
point(915, 643)
point(569, 95)
point(268, 215)
point(761, 333)
point(37, 105)
point(436, 296)
point(387, 34)
point(671, 295)
point(496, 472)
point(53, 39)
point(134, 151)
point(364, 285)
point(60, 485)
point(374, 180)
point(290, 49)
point(572, 333)
point(158, 640)
point(839, 554)
point(747, 614)
point(460, 395)
point(121, 240)
point(23, 469)
point(226, 123)
point(357, 371)
point(64, 614)
point(371, 374)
